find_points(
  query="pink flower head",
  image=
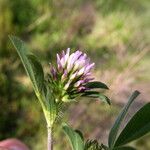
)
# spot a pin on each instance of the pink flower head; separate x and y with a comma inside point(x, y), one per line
point(71, 73)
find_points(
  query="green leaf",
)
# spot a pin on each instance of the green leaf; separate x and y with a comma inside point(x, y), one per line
point(114, 130)
point(138, 126)
point(95, 94)
point(96, 84)
point(30, 63)
point(124, 148)
point(80, 133)
point(92, 145)
point(104, 147)
point(74, 138)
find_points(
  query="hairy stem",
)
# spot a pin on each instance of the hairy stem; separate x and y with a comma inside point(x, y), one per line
point(49, 139)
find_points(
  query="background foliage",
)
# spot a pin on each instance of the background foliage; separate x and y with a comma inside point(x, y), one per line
point(109, 31)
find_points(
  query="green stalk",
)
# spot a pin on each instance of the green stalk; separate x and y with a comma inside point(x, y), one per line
point(49, 139)
point(50, 116)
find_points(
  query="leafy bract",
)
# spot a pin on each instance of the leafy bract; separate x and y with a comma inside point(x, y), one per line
point(104, 98)
point(114, 130)
point(96, 84)
point(138, 126)
point(95, 94)
point(124, 148)
point(74, 137)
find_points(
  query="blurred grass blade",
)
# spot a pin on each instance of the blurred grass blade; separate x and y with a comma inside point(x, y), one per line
point(30, 63)
point(124, 148)
point(74, 138)
point(96, 84)
point(138, 126)
point(114, 130)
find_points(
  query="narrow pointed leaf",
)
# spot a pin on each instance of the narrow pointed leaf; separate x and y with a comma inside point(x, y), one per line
point(138, 126)
point(74, 138)
point(38, 72)
point(96, 84)
point(114, 130)
point(31, 64)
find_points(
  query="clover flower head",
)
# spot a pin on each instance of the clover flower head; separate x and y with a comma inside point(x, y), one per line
point(69, 77)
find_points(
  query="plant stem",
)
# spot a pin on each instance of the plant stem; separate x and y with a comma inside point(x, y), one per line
point(49, 139)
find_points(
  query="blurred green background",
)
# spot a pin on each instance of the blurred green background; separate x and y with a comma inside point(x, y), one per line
point(114, 33)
